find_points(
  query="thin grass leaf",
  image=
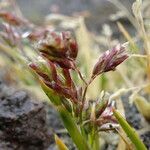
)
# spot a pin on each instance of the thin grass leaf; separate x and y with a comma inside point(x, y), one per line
point(72, 128)
point(60, 144)
point(143, 106)
point(127, 36)
point(131, 133)
point(54, 97)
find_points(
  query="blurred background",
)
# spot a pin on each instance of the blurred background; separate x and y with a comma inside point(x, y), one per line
point(96, 12)
point(97, 25)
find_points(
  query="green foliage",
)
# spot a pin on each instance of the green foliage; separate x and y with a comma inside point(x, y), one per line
point(131, 133)
point(63, 81)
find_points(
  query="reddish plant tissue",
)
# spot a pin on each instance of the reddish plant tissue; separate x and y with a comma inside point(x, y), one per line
point(12, 19)
point(59, 51)
point(110, 60)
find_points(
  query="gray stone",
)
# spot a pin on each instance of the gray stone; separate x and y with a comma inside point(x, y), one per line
point(22, 122)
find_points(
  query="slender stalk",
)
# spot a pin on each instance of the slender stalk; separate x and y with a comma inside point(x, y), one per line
point(96, 144)
point(85, 90)
point(80, 75)
point(11, 53)
point(84, 94)
point(94, 138)
point(138, 56)
point(137, 10)
point(127, 36)
point(72, 128)
point(84, 97)
point(7, 50)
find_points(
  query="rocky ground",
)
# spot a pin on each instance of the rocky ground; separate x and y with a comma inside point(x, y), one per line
point(22, 121)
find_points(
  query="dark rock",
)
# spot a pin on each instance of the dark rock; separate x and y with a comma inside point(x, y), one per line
point(146, 139)
point(53, 119)
point(132, 114)
point(22, 121)
point(54, 122)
